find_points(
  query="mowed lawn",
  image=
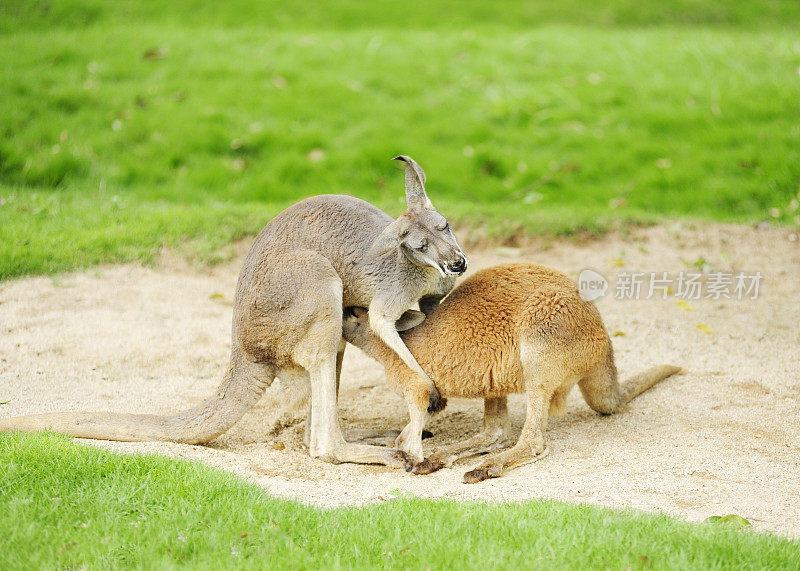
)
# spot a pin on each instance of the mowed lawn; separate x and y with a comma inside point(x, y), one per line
point(128, 126)
point(63, 505)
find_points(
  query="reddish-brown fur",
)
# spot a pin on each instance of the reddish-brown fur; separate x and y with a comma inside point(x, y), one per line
point(512, 328)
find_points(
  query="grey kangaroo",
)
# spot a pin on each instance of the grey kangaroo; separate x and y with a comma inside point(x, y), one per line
point(308, 263)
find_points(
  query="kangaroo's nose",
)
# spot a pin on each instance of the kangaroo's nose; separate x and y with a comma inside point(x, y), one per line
point(458, 267)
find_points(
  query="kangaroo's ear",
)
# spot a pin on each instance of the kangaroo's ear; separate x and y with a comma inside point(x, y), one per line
point(409, 319)
point(387, 240)
point(415, 184)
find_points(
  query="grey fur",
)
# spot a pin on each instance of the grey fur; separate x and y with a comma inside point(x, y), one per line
point(308, 263)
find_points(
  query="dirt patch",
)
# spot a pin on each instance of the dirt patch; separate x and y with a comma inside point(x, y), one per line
point(722, 438)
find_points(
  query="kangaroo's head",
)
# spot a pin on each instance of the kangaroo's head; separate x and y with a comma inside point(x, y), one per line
point(356, 329)
point(422, 234)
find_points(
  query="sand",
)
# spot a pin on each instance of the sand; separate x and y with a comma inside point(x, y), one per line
point(724, 437)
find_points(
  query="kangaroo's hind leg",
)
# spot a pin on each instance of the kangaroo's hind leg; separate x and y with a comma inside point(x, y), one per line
point(529, 447)
point(339, 361)
point(545, 371)
point(289, 311)
point(363, 435)
point(495, 435)
point(326, 440)
point(319, 352)
point(292, 400)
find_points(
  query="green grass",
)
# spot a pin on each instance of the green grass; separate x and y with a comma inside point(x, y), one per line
point(129, 126)
point(134, 125)
point(63, 505)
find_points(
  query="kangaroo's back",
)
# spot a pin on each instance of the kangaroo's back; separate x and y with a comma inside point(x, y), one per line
point(338, 227)
point(478, 327)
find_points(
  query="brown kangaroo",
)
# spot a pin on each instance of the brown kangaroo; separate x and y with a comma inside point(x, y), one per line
point(512, 328)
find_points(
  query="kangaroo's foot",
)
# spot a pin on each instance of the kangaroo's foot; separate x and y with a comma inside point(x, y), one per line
point(367, 454)
point(494, 436)
point(497, 466)
point(476, 475)
point(488, 440)
point(377, 436)
point(531, 444)
point(429, 465)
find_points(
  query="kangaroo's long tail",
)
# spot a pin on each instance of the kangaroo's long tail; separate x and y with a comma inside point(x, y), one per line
point(637, 384)
point(243, 385)
point(606, 395)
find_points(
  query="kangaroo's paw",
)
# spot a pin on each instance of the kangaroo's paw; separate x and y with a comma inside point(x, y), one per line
point(498, 466)
point(436, 402)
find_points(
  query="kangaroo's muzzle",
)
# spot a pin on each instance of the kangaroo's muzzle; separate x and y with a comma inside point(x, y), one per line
point(458, 267)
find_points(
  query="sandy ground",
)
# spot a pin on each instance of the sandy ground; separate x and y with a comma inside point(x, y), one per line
point(722, 438)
